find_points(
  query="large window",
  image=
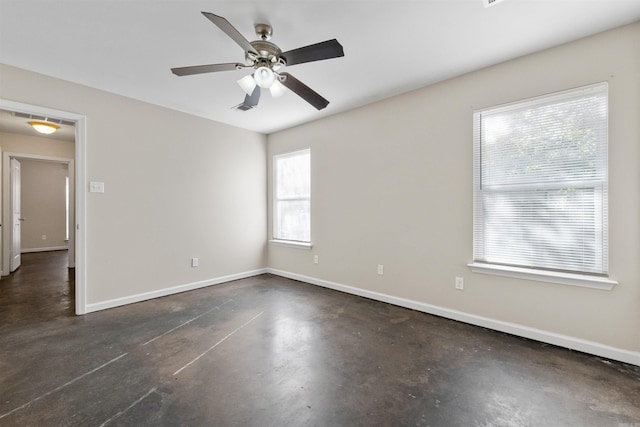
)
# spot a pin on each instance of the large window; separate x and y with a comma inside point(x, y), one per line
point(292, 196)
point(540, 183)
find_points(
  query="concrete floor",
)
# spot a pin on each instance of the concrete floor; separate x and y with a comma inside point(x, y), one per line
point(268, 351)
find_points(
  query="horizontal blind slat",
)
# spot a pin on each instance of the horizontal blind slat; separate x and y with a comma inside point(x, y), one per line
point(540, 182)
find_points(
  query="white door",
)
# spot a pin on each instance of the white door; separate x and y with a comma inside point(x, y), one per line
point(16, 215)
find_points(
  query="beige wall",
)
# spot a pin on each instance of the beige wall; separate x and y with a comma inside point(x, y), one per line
point(36, 145)
point(43, 203)
point(392, 184)
point(176, 187)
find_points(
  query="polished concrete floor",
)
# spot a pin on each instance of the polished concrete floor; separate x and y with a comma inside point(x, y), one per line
point(268, 351)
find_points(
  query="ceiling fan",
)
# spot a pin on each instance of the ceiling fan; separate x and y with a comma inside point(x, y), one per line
point(267, 59)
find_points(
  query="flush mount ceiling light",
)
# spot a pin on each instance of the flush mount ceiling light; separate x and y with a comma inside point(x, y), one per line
point(44, 127)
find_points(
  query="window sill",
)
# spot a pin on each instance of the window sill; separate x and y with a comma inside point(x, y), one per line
point(571, 279)
point(291, 244)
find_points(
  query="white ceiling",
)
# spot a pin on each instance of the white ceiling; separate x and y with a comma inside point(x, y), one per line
point(391, 46)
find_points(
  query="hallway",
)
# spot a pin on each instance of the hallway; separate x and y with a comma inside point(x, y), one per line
point(41, 289)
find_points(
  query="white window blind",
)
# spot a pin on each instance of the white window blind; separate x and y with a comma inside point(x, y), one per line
point(292, 196)
point(540, 182)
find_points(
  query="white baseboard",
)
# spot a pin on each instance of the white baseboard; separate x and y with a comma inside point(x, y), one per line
point(117, 302)
point(50, 248)
point(485, 322)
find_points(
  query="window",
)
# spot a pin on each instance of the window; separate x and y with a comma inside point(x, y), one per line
point(540, 183)
point(292, 196)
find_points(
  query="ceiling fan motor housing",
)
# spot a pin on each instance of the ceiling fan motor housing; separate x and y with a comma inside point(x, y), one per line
point(268, 54)
point(264, 31)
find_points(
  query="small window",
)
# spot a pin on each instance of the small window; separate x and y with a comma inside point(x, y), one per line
point(292, 196)
point(540, 183)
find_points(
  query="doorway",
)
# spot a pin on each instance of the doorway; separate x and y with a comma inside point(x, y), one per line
point(52, 175)
point(77, 171)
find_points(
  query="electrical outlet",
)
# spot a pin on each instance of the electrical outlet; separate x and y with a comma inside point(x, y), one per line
point(315, 259)
point(380, 269)
point(44, 237)
point(460, 283)
point(194, 262)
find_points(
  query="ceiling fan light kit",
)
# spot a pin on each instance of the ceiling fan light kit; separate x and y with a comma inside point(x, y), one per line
point(248, 84)
point(264, 77)
point(277, 89)
point(267, 59)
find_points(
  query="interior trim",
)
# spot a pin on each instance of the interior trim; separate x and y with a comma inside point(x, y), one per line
point(291, 244)
point(130, 299)
point(47, 249)
point(565, 341)
point(571, 279)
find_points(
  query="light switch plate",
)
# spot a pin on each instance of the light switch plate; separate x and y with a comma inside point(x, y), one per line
point(96, 187)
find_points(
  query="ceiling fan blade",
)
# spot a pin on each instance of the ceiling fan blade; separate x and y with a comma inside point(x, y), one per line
point(231, 31)
point(250, 101)
point(304, 91)
point(201, 69)
point(314, 52)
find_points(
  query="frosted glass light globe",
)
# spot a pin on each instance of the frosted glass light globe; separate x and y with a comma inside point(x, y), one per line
point(264, 77)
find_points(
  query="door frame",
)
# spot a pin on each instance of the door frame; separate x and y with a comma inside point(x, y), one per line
point(15, 195)
point(7, 203)
point(80, 243)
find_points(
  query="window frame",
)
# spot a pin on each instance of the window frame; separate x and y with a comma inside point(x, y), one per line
point(280, 241)
point(584, 279)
